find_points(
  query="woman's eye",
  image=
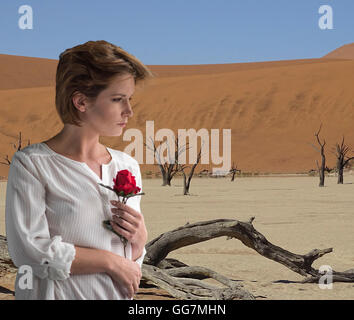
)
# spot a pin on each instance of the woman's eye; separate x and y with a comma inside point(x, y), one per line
point(120, 99)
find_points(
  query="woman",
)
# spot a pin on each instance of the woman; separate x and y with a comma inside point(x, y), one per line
point(54, 202)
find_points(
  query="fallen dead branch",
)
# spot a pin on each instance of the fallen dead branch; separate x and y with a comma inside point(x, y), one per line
point(185, 282)
point(167, 272)
point(174, 282)
point(6, 264)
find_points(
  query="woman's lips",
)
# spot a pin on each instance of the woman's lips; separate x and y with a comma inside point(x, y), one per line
point(122, 124)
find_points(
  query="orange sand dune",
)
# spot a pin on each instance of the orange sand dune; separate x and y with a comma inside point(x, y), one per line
point(25, 72)
point(185, 70)
point(344, 52)
point(272, 108)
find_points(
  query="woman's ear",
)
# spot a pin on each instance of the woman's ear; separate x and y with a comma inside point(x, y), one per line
point(80, 101)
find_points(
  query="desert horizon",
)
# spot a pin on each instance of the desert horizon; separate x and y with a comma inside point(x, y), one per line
point(272, 108)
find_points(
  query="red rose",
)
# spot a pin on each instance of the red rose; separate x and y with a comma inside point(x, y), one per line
point(124, 186)
point(125, 182)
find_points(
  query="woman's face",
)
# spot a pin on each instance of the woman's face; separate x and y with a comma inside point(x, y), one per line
point(111, 107)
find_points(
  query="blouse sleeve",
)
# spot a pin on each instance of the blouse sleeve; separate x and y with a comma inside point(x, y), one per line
point(27, 231)
point(139, 183)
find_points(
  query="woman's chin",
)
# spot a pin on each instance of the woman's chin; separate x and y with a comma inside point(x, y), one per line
point(112, 133)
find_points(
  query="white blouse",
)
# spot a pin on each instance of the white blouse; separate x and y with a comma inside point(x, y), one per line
point(54, 203)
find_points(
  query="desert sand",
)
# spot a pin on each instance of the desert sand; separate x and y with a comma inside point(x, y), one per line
point(291, 212)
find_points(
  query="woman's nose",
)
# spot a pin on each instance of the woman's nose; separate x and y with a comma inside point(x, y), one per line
point(128, 109)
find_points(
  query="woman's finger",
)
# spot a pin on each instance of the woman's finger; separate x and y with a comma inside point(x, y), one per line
point(136, 287)
point(120, 230)
point(123, 223)
point(130, 290)
point(125, 207)
point(126, 216)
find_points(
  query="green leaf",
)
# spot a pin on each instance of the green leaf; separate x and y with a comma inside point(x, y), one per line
point(133, 195)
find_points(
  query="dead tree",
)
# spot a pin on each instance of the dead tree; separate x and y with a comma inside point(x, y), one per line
point(168, 168)
point(18, 147)
point(340, 152)
point(185, 282)
point(187, 181)
point(233, 171)
point(321, 169)
point(8, 162)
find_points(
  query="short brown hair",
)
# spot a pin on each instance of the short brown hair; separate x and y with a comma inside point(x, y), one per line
point(89, 68)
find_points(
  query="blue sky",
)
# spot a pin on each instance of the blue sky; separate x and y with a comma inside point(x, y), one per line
point(174, 32)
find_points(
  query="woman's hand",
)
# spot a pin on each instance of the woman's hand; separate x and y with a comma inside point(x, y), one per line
point(129, 223)
point(125, 272)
